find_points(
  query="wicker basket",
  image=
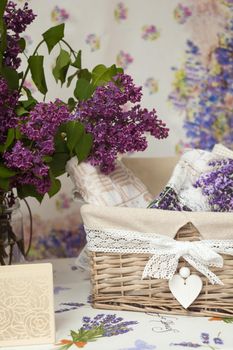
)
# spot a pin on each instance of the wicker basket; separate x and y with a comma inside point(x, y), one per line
point(117, 284)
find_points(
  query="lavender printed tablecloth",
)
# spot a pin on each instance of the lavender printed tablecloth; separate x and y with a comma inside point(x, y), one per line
point(78, 325)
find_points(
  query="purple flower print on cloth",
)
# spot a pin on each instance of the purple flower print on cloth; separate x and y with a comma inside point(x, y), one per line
point(152, 85)
point(182, 13)
point(121, 12)
point(70, 306)
point(59, 15)
point(102, 325)
point(58, 289)
point(124, 59)
point(141, 345)
point(150, 32)
point(93, 41)
point(206, 342)
point(187, 344)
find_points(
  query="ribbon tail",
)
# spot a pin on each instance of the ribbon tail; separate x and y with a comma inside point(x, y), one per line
point(199, 266)
point(161, 266)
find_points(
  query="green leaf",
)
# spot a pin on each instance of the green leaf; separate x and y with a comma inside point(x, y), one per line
point(10, 138)
point(83, 147)
point(3, 4)
point(62, 64)
point(37, 72)
point(28, 91)
point(83, 89)
point(59, 142)
point(47, 159)
point(29, 191)
point(5, 172)
point(11, 77)
point(30, 102)
point(74, 130)
point(22, 44)
point(74, 335)
point(3, 35)
point(20, 75)
point(58, 164)
point(85, 74)
point(120, 70)
point(55, 186)
point(101, 74)
point(228, 319)
point(78, 60)
point(18, 134)
point(70, 78)
point(20, 110)
point(4, 184)
point(53, 35)
point(71, 104)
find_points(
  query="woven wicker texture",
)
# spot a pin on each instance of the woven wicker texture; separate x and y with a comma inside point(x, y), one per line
point(117, 285)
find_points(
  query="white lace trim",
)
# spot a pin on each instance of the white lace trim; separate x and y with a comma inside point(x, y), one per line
point(165, 251)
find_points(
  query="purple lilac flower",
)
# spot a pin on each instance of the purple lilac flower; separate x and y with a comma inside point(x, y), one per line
point(168, 200)
point(217, 185)
point(39, 127)
point(42, 185)
point(43, 122)
point(115, 129)
point(16, 21)
point(19, 157)
point(8, 102)
point(30, 165)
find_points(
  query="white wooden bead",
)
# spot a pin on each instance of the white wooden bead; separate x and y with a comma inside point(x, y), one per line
point(184, 272)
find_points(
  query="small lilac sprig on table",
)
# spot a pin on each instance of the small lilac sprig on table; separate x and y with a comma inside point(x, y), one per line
point(101, 325)
point(217, 185)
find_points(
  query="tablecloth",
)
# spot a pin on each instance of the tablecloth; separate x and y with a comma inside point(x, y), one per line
point(123, 330)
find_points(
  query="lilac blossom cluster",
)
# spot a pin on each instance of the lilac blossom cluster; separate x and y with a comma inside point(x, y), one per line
point(42, 123)
point(109, 324)
point(217, 185)
point(16, 21)
point(8, 102)
point(27, 156)
point(168, 200)
point(115, 129)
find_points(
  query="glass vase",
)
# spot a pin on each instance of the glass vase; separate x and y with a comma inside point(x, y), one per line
point(11, 234)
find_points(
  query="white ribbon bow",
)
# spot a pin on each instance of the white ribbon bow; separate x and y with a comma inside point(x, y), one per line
point(165, 251)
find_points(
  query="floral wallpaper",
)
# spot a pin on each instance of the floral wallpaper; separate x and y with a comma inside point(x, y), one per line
point(179, 51)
